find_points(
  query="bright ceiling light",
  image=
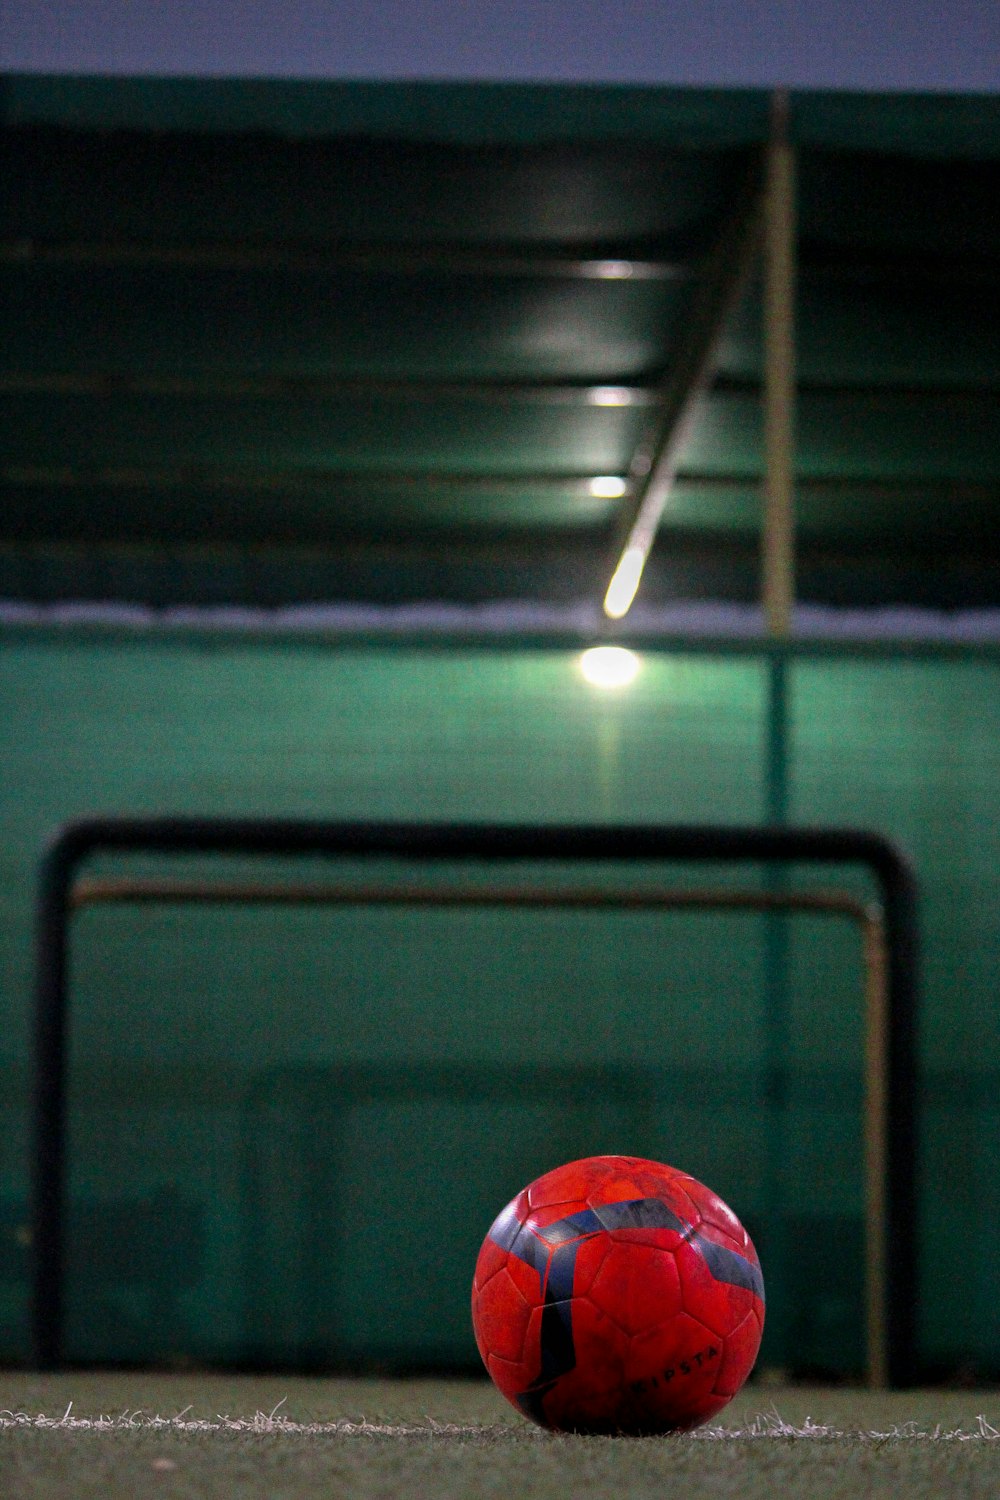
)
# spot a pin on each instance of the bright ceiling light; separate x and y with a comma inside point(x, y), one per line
point(613, 270)
point(623, 586)
point(609, 395)
point(609, 666)
point(608, 486)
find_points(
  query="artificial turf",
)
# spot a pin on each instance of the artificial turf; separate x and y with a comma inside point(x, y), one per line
point(195, 1437)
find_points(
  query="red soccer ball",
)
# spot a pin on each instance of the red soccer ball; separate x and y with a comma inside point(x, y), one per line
point(618, 1295)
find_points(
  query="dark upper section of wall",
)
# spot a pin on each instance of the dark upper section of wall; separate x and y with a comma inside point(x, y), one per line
point(946, 126)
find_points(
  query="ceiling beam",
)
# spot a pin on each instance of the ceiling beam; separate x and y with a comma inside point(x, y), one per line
point(614, 262)
point(609, 391)
point(416, 388)
point(327, 481)
point(260, 478)
point(594, 263)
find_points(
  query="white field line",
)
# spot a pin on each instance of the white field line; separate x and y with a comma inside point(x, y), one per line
point(769, 1425)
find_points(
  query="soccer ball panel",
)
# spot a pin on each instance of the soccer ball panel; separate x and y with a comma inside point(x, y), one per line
point(582, 1366)
point(492, 1259)
point(637, 1286)
point(509, 1376)
point(708, 1295)
point(715, 1214)
point(565, 1185)
point(502, 1317)
point(672, 1371)
point(741, 1348)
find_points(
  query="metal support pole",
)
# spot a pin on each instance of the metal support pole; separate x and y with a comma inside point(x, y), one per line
point(878, 1065)
point(777, 1011)
point(778, 562)
point(778, 587)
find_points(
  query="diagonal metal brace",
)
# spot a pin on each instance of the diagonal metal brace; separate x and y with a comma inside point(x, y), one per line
point(718, 288)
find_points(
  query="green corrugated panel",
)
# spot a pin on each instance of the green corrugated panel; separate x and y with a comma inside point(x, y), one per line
point(282, 322)
point(175, 190)
point(458, 433)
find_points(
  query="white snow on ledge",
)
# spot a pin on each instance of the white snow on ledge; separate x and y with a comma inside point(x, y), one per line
point(511, 619)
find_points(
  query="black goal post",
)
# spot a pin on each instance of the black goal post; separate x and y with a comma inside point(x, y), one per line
point(607, 847)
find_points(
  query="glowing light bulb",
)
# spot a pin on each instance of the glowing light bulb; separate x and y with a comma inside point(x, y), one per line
point(609, 395)
point(612, 270)
point(609, 666)
point(608, 486)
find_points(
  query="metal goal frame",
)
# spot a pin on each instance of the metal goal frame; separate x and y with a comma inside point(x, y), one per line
point(889, 948)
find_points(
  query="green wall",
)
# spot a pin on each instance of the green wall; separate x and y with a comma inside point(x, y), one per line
point(290, 1129)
